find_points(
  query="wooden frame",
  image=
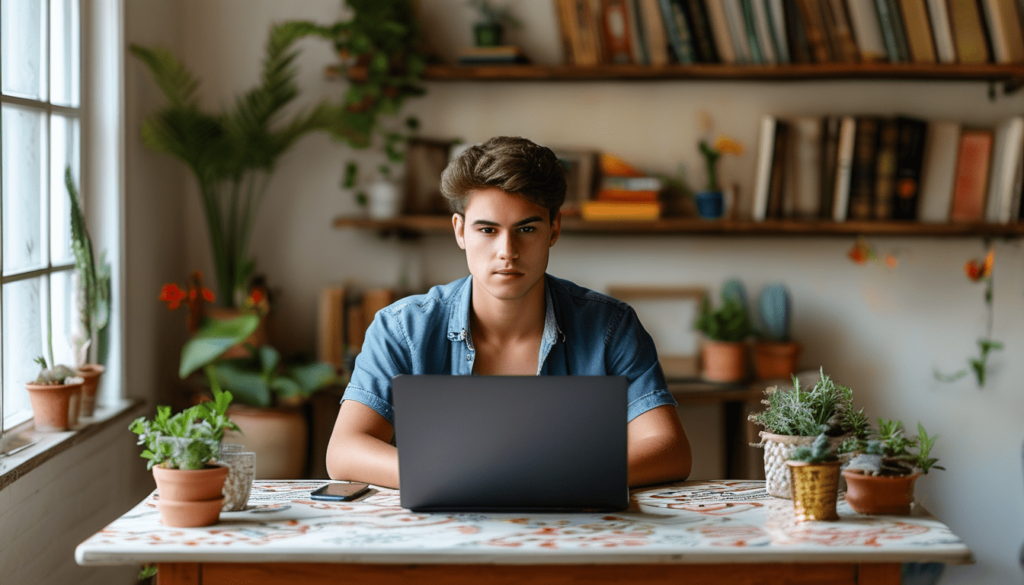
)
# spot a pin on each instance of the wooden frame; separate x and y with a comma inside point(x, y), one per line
point(580, 172)
point(675, 366)
point(425, 160)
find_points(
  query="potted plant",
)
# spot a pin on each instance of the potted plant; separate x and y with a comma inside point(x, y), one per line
point(814, 476)
point(724, 352)
point(93, 302)
point(490, 29)
point(880, 477)
point(55, 395)
point(775, 354)
point(182, 450)
point(710, 202)
point(793, 418)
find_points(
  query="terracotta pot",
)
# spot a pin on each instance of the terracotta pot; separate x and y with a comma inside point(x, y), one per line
point(189, 514)
point(278, 436)
point(777, 450)
point(91, 374)
point(776, 359)
point(724, 361)
point(871, 494)
point(190, 485)
point(257, 339)
point(54, 407)
point(815, 490)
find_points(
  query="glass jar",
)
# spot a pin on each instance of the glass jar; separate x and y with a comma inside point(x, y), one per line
point(241, 473)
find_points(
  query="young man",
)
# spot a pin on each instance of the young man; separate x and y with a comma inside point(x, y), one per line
point(507, 318)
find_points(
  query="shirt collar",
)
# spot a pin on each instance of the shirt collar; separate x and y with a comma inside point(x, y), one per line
point(458, 321)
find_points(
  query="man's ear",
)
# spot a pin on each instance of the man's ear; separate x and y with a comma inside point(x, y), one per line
point(556, 228)
point(459, 225)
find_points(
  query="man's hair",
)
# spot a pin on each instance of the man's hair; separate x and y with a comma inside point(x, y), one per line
point(514, 165)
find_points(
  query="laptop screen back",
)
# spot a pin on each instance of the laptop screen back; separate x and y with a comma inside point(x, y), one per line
point(492, 443)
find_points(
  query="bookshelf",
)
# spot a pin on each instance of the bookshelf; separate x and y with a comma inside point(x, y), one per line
point(419, 225)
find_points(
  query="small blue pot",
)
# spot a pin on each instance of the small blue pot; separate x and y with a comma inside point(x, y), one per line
point(710, 204)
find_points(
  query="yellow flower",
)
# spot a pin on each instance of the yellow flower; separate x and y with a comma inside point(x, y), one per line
point(726, 145)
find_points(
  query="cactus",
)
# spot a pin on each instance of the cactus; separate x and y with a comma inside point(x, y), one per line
point(775, 311)
point(732, 290)
point(54, 376)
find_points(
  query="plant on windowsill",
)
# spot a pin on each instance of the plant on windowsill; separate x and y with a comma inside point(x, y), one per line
point(814, 476)
point(881, 475)
point(792, 418)
point(724, 352)
point(55, 395)
point(775, 354)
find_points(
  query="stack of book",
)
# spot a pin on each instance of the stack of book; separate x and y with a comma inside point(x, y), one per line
point(878, 168)
point(625, 193)
point(657, 32)
point(500, 55)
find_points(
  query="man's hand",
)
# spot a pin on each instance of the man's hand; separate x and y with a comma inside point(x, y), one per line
point(360, 447)
point(658, 449)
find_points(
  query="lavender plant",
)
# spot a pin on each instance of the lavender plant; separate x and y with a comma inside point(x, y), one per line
point(805, 412)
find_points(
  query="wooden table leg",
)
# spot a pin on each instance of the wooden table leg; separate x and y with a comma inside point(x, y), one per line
point(177, 574)
point(879, 574)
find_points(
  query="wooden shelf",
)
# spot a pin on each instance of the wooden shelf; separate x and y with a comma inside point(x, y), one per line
point(430, 224)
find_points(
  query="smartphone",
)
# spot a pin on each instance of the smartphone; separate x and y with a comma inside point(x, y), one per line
point(339, 492)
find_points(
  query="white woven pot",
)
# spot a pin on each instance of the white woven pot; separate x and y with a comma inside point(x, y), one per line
point(777, 449)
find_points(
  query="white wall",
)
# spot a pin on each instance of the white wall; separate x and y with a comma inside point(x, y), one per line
point(881, 331)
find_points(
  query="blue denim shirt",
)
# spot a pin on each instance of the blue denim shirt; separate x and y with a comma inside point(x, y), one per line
point(585, 333)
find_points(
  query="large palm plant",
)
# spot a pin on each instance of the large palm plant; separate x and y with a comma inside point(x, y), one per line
point(232, 154)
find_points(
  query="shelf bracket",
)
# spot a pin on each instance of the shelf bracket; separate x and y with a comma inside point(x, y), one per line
point(1012, 85)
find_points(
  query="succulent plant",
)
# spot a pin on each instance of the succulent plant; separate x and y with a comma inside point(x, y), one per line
point(775, 311)
point(54, 376)
point(733, 290)
point(819, 452)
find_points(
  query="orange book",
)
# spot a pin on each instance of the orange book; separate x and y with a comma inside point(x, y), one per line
point(617, 210)
point(627, 196)
point(613, 166)
point(971, 183)
point(616, 37)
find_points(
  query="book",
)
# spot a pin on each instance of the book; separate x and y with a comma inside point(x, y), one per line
point(887, 26)
point(899, 29)
point(1004, 30)
point(613, 166)
point(867, 32)
point(780, 148)
point(885, 169)
point(627, 196)
point(615, 32)
point(720, 28)
point(703, 36)
point(862, 169)
point(777, 19)
point(839, 31)
point(615, 210)
point(968, 31)
point(654, 32)
point(638, 44)
point(919, 32)
point(829, 159)
point(572, 44)
point(796, 38)
point(589, 23)
point(844, 167)
point(971, 182)
point(632, 183)
point(491, 55)
point(1007, 154)
point(678, 29)
point(330, 346)
point(763, 168)
point(942, 34)
point(938, 171)
point(814, 27)
point(803, 177)
point(737, 30)
point(909, 156)
point(757, 54)
point(764, 31)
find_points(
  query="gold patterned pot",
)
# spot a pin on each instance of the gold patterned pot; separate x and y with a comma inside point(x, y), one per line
point(815, 489)
point(777, 450)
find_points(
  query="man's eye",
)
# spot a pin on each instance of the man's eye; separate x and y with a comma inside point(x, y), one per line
point(527, 229)
point(486, 230)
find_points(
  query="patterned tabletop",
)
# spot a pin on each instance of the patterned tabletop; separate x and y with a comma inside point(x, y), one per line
point(687, 522)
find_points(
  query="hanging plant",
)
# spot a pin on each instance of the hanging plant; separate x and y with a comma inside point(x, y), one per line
point(979, 271)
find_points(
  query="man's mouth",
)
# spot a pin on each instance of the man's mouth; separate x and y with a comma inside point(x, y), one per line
point(509, 273)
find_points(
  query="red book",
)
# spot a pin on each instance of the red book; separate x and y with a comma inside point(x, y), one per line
point(971, 183)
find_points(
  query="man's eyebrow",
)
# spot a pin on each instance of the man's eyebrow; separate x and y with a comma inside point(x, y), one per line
point(519, 223)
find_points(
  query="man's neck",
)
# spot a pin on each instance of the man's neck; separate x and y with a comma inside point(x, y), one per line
point(493, 319)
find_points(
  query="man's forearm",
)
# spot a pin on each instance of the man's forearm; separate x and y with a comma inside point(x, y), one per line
point(657, 460)
point(363, 458)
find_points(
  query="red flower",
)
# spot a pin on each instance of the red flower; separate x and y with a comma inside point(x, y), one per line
point(980, 269)
point(208, 295)
point(891, 261)
point(172, 295)
point(860, 253)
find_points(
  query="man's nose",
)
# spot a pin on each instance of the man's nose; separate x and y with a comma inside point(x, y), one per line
point(507, 248)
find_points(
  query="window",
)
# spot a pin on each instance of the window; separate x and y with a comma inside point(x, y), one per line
point(40, 89)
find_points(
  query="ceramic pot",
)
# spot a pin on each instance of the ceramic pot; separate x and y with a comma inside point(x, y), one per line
point(777, 451)
point(258, 338)
point(90, 373)
point(189, 514)
point(190, 485)
point(776, 359)
point(872, 494)
point(815, 490)
point(278, 436)
point(710, 204)
point(54, 407)
point(384, 200)
point(724, 361)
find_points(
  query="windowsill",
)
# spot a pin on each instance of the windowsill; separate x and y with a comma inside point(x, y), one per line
point(43, 446)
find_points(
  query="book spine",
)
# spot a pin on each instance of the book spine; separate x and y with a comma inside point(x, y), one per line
point(844, 166)
point(885, 169)
point(938, 171)
point(971, 180)
point(777, 20)
point(569, 31)
point(750, 27)
point(938, 12)
point(1006, 159)
point(829, 160)
point(804, 174)
point(615, 32)
point(844, 33)
point(703, 36)
point(678, 32)
point(862, 171)
point(654, 32)
point(737, 30)
point(778, 170)
point(799, 49)
point(764, 31)
point(909, 156)
point(919, 33)
point(968, 33)
point(638, 45)
point(885, 23)
point(899, 30)
point(720, 27)
point(867, 30)
point(762, 178)
point(1004, 30)
point(814, 27)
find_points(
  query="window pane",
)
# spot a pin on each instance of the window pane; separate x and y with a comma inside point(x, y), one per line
point(64, 315)
point(64, 53)
point(64, 144)
point(23, 341)
point(24, 189)
point(23, 45)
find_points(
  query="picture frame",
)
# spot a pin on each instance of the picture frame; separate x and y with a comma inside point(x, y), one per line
point(425, 160)
point(668, 314)
point(580, 177)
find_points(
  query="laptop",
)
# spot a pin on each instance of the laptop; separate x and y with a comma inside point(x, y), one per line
point(511, 443)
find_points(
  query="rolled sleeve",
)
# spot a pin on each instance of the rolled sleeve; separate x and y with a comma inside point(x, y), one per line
point(631, 353)
point(385, 354)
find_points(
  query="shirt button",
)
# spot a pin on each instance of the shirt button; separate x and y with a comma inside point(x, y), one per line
point(469, 358)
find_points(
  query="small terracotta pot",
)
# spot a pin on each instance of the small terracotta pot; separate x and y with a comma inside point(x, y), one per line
point(877, 494)
point(190, 485)
point(278, 436)
point(52, 405)
point(91, 374)
point(724, 361)
point(189, 514)
point(815, 490)
point(258, 338)
point(776, 359)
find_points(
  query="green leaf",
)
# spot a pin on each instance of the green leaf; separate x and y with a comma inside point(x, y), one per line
point(247, 386)
point(312, 377)
point(285, 387)
point(213, 339)
point(269, 360)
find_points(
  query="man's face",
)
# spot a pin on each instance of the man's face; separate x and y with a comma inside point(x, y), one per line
point(506, 239)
